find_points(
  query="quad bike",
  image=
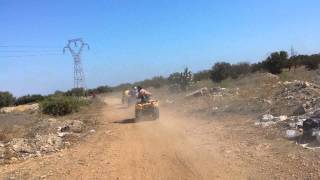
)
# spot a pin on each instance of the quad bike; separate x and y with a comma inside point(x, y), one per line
point(147, 109)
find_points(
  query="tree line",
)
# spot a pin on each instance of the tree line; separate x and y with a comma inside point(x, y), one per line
point(274, 63)
point(7, 99)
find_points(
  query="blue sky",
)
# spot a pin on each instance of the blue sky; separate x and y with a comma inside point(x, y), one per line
point(132, 40)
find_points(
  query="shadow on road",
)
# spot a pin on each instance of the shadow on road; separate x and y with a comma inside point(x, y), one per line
point(131, 120)
point(126, 121)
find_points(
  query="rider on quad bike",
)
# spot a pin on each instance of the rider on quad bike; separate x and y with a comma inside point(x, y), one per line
point(146, 107)
point(143, 95)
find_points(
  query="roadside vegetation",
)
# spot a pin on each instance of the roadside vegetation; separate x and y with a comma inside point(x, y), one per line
point(61, 105)
point(221, 72)
point(275, 63)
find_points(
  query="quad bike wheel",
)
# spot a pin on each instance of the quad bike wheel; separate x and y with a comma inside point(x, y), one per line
point(138, 114)
point(155, 113)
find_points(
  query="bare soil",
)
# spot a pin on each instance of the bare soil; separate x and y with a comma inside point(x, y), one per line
point(177, 146)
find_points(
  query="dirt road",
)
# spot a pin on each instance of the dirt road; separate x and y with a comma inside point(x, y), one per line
point(174, 147)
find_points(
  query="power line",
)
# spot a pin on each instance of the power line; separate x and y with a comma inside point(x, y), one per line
point(29, 55)
point(26, 51)
point(26, 46)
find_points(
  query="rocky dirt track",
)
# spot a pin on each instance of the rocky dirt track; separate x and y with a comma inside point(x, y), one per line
point(174, 147)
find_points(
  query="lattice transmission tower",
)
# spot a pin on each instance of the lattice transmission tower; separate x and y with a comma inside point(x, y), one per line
point(76, 47)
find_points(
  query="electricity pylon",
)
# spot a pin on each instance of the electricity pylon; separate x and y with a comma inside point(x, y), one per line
point(76, 46)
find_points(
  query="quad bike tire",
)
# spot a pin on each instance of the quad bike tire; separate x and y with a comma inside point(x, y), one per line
point(155, 114)
point(138, 114)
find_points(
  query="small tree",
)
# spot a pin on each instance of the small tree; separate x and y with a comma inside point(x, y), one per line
point(276, 62)
point(255, 67)
point(6, 99)
point(183, 79)
point(239, 69)
point(186, 79)
point(311, 64)
point(220, 71)
point(201, 75)
point(174, 78)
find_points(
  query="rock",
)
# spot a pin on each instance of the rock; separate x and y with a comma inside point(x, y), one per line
point(283, 118)
point(21, 145)
point(73, 126)
point(299, 111)
point(271, 76)
point(67, 144)
point(292, 125)
point(38, 154)
point(267, 117)
point(267, 124)
point(92, 131)
point(13, 159)
point(316, 114)
point(214, 108)
point(62, 134)
point(292, 134)
point(48, 143)
point(267, 101)
point(2, 152)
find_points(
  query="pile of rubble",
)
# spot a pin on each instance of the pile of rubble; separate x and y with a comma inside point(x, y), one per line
point(296, 98)
point(297, 105)
point(23, 148)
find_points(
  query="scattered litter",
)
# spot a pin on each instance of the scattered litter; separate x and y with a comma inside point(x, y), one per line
point(267, 120)
point(292, 134)
point(306, 146)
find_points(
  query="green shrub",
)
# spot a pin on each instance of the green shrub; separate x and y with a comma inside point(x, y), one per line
point(239, 69)
point(61, 105)
point(183, 79)
point(220, 71)
point(276, 62)
point(76, 92)
point(201, 75)
point(6, 99)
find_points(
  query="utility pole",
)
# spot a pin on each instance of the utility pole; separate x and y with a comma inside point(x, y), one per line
point(76, 46)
